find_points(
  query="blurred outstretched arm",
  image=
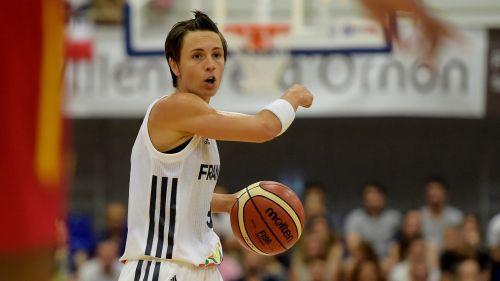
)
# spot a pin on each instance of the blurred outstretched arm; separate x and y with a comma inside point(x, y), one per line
point(433, 31)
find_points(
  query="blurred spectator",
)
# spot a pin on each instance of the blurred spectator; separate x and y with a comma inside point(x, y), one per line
point(230, 268)
point(360, 252)
point(318, 243)
point(415, 264)
point(463, 243)
point(468, 270)
point(367, 271)
point(373, 223)
point(436, 214)
point(494, 245)
point(419, 271)
point(411, 227)
point(317, 270)
point(315, 199)
point(366, 266)
point(494, 231)
point(105, 266)
point(116, 225)
point(260, 268)
point(81, 240)
point(452, 252)
point(471, 231)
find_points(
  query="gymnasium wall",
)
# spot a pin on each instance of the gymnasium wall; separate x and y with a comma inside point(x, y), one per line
point(342, 152)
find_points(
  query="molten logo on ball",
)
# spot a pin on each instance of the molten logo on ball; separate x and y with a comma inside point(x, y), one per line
point(283, 226)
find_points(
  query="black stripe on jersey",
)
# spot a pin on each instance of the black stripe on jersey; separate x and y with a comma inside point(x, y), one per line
point(171, 226)
point(156, 272)
point(138, 271)
point(152, 207)
point(146, 275)
point(161, 228)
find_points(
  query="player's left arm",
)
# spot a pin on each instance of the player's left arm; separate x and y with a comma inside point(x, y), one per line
point(222, 203)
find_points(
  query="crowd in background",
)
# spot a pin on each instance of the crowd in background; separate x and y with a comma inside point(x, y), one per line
point(372, 243)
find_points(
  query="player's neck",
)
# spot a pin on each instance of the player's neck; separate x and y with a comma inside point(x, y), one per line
point(180, 90)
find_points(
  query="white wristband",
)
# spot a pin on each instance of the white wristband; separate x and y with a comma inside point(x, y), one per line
point(284, 111)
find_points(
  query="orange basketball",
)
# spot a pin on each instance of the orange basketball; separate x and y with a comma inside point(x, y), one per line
point(267, 218)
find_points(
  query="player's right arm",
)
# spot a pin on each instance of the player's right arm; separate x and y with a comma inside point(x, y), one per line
point(186, 114)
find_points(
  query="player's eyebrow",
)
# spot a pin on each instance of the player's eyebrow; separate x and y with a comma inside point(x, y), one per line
point(197, 50)
point(201, 49)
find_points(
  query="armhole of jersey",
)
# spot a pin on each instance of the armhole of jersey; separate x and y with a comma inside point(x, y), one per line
point(158, 154)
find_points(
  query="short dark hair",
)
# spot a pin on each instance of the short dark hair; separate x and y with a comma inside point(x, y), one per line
point(314, 184)
point(173, 43)
point(377, 185)
point(437, 179)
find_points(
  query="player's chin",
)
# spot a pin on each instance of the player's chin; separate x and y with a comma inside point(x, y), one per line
point(210, 89)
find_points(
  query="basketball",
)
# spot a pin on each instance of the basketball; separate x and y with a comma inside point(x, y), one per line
point(267, 218)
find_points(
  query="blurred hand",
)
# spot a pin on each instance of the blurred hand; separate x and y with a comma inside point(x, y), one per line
point(432, 31)
point(298, 95)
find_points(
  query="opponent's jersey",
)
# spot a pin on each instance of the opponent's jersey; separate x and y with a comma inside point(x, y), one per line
point(169, 202)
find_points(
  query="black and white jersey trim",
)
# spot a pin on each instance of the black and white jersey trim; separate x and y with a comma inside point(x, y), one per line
point(161, 227)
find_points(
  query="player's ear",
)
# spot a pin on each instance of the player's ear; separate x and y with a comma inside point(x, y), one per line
point(174, 67)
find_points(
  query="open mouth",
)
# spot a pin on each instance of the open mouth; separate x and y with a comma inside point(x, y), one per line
point(210, 80)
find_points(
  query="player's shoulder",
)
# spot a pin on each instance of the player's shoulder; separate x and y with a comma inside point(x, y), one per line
point(179, 99)
point(180, 104)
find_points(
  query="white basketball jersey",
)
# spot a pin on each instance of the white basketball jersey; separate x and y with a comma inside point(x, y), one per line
point(169, 214)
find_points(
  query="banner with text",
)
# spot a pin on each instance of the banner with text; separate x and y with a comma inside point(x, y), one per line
point(115, 85)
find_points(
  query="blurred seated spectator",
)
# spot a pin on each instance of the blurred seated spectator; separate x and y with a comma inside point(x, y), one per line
point(317, 270)
point(415, 263)
point(471, 232)
point(468, 270)
point(452, 252)
point(494, 245)
point(462, 243)
point(366, 268)
point(359, 252)
point(81, 240)
point(105, 266)
point(436, 214)
point(230, 268)
point(318, 242)
point(315, 199)
point(374, 222)
point(260, 268)
point(116, 225)
point(419, 271)
point(367, 271)
point(410, 228)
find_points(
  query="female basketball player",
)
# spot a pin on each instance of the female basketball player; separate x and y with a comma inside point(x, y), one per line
point(175, 161)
